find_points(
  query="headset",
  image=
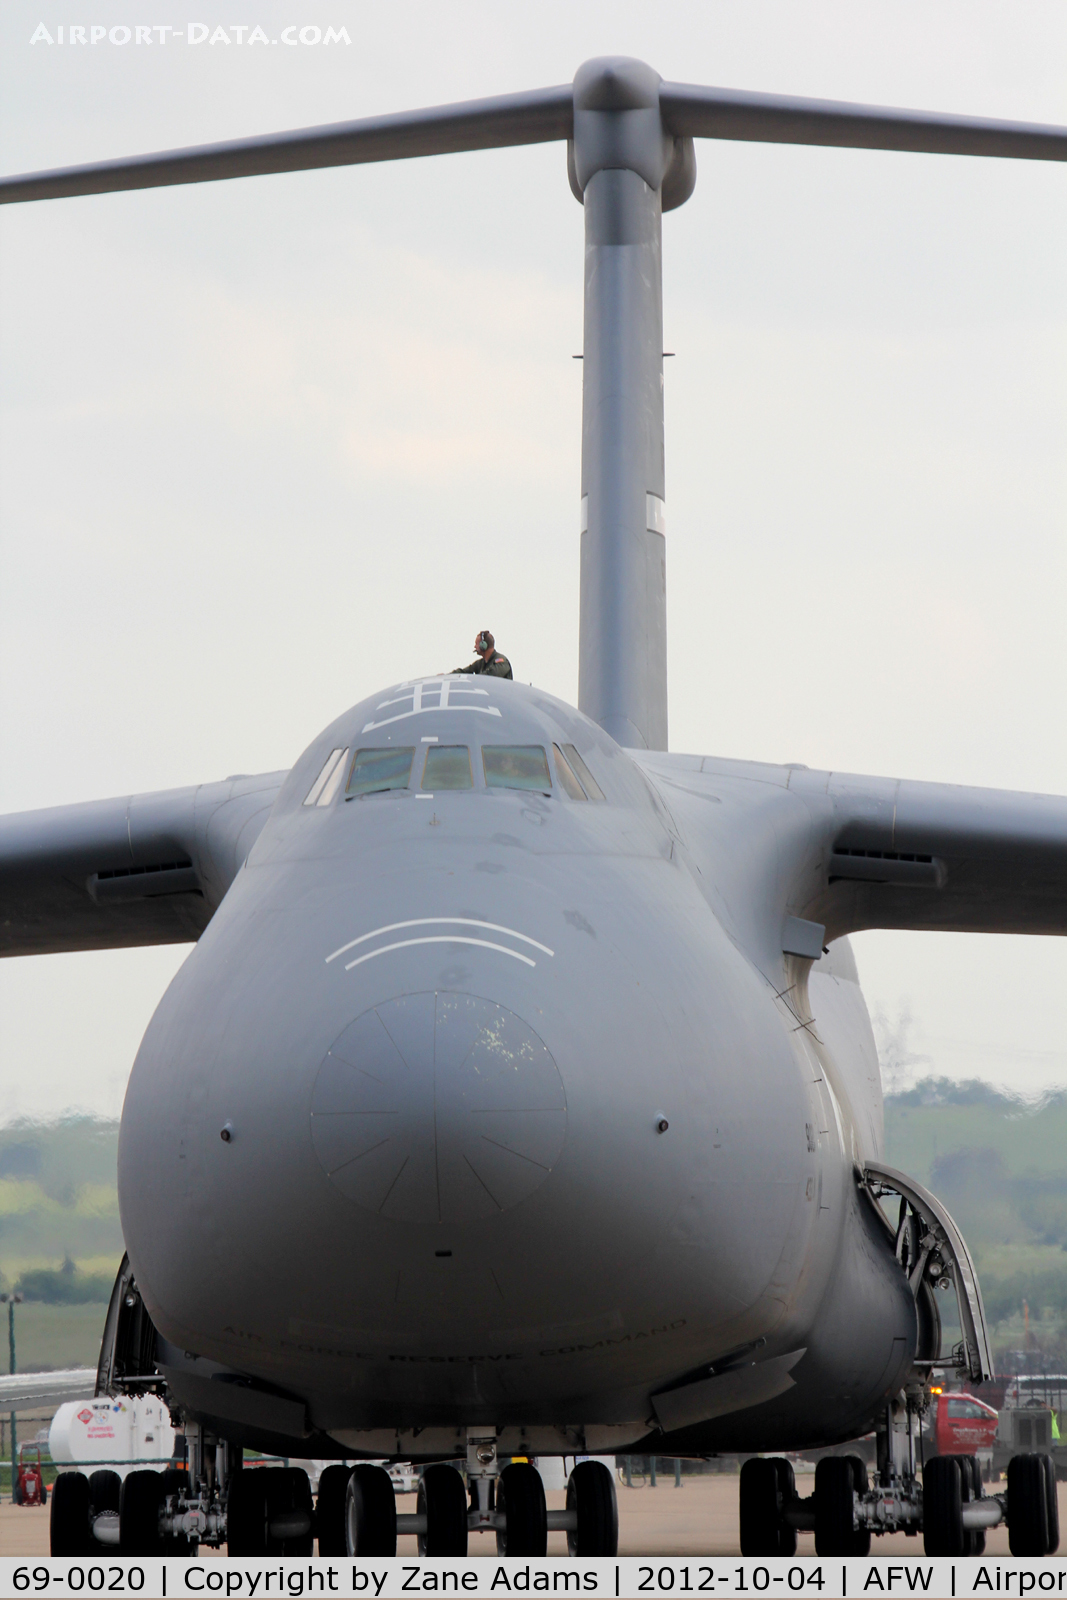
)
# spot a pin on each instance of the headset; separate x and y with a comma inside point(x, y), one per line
point(484, 641)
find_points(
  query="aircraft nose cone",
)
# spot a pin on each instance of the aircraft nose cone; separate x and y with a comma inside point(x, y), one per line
point(438, 1107)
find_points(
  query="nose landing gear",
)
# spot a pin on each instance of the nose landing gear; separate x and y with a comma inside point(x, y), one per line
point(370, 1512)
point(507, 1501)
point(443, 1510)
point(520, 1501)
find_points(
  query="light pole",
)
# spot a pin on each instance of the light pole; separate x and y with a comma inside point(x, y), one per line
point(13, 1299)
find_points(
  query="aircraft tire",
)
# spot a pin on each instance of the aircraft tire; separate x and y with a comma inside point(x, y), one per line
point(330, 1510)
point(943, 1533)
point(787, 1492)
point(1028, 1533)
point(246, 1513)
point(520, 1495)
point(971, 1489)
point(591, 1493)
point(69, 1533)
point(443, 1501)
point(1052, 1506)
point(759, 1507)
point(139, 1508)
point(288, 1489)
point(105, 1492)
point(861, 1537)
point(834, 1533)
point(370, 1512)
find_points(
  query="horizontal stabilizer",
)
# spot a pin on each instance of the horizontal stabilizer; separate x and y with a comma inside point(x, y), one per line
point(538, 116)
point(690, 110)
point(510, 119)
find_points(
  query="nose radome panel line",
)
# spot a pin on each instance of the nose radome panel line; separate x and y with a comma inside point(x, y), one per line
point(439, 938)
point(423, 922)
point(361, 1157)
point(388, 1034)
point(483, 1183)
point(508, 1151)
point(392, 1186)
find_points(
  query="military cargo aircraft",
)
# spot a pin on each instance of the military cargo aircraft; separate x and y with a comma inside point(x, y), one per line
point(530, 1057)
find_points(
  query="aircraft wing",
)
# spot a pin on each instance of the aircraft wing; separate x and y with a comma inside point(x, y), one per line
point(137, 870)
point(933, 855)
point(853, 852)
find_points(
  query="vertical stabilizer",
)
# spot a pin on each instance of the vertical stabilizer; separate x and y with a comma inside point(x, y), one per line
point(626, 169)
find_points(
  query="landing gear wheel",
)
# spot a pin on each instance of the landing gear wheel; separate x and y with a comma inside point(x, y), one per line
point(69, 1531)
point(861, 1537)
point(330, 1511)
point(1052, 1506)
point(591, 1493)
point(443, 1502)
point(1028, 1531)
point(105, 1492)
point(289, 1494)
point(246, 1513)
point(176, 1482)
point(370, 1512)
point(787, 1493)
point(761, 1508)
point(139, 1507)
point(971, 1489)
point(943, 1533)
point(520, 1495)
point(835, 1531)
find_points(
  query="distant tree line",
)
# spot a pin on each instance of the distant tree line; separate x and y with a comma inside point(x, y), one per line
point(65, 1285)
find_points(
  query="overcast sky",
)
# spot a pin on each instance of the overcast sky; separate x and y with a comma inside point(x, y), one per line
point(269, 445)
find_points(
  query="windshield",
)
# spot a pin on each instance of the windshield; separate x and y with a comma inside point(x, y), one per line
point(448, 766)
point(516, 766)
point(376, 770)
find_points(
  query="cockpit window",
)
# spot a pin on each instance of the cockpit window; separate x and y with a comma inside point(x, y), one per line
point(566, 776)
point(328, 781)
point(516, 766)
point(583, 774)
point(376, 770)
point(448, 766)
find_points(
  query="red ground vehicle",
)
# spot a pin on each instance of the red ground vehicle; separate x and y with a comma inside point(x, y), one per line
point(960, 1425)
point(31, 1489)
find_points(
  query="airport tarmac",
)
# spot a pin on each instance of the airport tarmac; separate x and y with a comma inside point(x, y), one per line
point(700, 1519)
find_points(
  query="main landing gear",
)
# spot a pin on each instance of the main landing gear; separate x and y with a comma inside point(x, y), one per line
point(947, 1505)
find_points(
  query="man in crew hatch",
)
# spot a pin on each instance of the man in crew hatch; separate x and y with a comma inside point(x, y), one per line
point(489, 658)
